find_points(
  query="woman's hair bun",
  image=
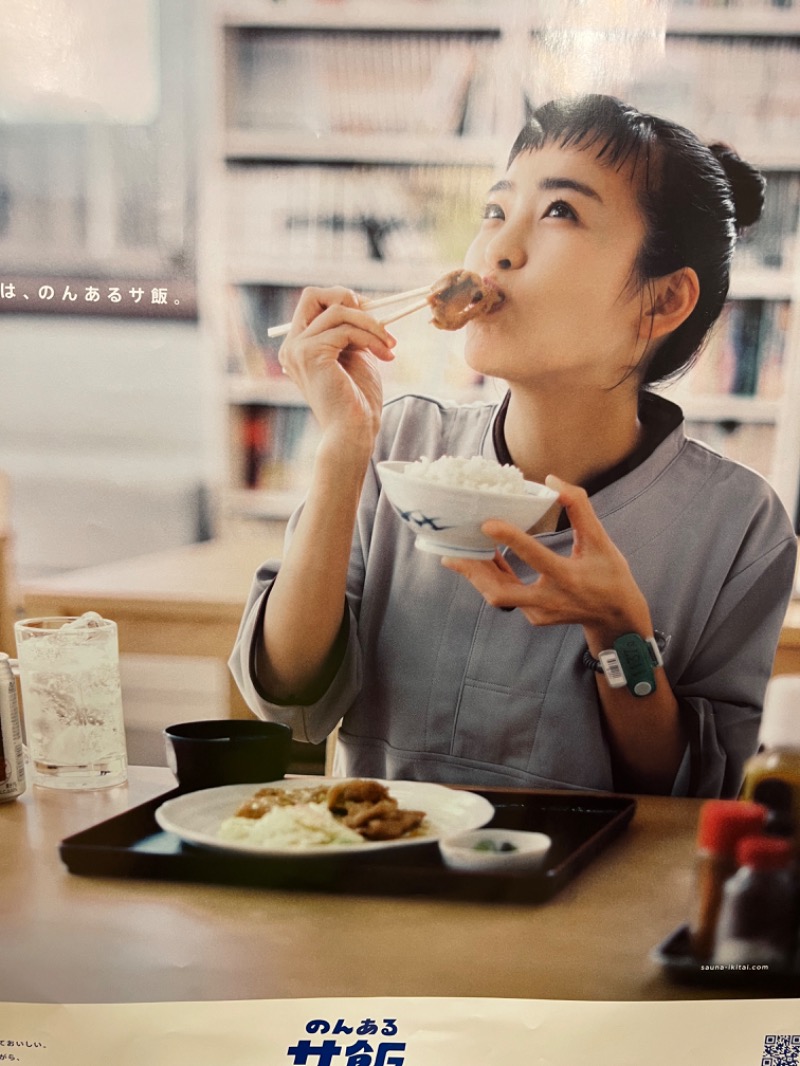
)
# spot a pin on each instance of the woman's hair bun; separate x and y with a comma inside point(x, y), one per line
point(747, 185)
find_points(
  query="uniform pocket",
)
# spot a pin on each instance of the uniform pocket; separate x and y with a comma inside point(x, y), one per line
point(507, 675)
point(494, 725)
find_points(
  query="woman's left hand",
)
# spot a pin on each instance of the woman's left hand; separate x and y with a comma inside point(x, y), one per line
point(592, 587)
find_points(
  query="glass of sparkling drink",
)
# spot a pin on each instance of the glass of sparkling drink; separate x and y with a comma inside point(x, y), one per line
point(72, 701)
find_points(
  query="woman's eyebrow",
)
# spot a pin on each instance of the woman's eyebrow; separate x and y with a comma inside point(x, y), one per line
point(504, 185)
point(570, 183)
point(549, 184)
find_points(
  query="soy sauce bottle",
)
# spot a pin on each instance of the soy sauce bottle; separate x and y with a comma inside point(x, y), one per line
point(722, 824)
point(758, 915)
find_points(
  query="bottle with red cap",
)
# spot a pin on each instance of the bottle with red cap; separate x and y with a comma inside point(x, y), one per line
point(757, 922)
point(722, 825)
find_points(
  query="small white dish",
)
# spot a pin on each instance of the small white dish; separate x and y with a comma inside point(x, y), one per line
point(447, 520)
point(509, 850)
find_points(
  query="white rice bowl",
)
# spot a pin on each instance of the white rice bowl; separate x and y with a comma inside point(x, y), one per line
point(444, 502)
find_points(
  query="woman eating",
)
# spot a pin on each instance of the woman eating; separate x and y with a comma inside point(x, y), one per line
point(610, 240)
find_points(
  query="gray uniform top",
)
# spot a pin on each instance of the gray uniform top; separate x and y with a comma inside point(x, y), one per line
point(431, 683)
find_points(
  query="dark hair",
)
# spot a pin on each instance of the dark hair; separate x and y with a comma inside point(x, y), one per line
point(695, 200)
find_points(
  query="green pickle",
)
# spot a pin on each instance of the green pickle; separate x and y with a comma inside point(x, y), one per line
point(494, 845)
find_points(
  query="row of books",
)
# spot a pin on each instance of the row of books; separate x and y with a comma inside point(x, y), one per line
point(743, 89)
point(745, 353)
point(268, 463)
point(772, 244)
point(274, 443)
point(274, 446)
point(429, 360)
point(250, 311)
point(306, 214)
point(362, 83)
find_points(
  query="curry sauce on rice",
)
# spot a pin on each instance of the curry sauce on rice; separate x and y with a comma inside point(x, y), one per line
point(348, 812)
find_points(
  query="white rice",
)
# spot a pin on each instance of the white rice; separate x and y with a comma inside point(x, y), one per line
point(483, 475)
point(307, 825)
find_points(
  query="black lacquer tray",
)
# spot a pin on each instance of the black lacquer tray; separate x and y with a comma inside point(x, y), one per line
point(581, 825)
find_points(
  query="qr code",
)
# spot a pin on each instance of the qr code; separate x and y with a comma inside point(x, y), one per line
point(781, 1051)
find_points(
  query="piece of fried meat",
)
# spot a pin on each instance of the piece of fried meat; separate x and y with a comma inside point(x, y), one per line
point(367, 807)
point(460, 296)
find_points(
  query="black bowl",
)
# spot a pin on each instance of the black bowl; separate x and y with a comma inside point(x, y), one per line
point(227, 751)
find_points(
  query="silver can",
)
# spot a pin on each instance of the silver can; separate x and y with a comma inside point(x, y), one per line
point(12, 760)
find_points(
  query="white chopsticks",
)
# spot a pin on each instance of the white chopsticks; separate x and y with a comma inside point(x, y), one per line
point(371, 305)
point(385, 301)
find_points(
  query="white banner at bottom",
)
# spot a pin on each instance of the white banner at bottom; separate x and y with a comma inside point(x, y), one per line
point(402, 1032)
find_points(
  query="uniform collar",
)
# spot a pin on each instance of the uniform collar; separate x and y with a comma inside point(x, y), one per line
point(661, 419)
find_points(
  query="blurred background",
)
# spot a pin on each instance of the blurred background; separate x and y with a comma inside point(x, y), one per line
point(172, 172)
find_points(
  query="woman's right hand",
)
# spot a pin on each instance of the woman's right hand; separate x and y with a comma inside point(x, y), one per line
point(331, 354)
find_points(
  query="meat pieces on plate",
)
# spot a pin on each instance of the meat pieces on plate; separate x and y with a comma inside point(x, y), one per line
point(367, 807)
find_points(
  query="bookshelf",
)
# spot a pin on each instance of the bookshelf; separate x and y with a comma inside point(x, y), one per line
point(355, 142)
point(732, 75)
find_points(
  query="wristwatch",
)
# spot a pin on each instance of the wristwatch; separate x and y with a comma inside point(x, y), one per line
point(631, 662)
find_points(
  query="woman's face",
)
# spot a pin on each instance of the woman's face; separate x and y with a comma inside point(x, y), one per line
point(560, 237)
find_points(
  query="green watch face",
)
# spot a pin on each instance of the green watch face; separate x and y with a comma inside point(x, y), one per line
point(635, 659)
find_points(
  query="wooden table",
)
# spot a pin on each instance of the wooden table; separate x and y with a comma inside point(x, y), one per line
point(185, 601)
point(69, 938)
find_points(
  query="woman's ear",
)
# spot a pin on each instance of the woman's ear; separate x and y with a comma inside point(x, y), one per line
point(670, 300)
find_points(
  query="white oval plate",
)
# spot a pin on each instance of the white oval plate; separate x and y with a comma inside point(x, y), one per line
point(196, 816)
